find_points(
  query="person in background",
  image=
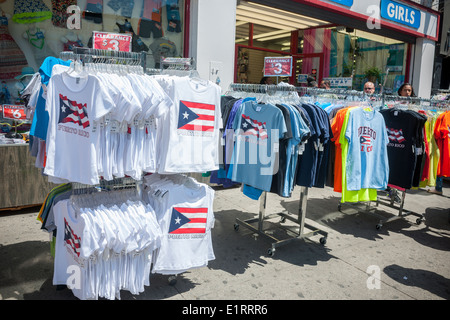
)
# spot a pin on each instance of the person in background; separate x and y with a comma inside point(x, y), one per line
point(406, 90)
point(311, 82)
point(369, 88)
point(438, 188)
point(266, 80)
point(325, 84)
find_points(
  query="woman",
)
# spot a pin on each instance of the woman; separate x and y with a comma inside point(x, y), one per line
point(406, 90)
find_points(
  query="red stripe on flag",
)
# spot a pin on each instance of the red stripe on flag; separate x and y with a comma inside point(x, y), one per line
point(197, 220)
point(199, 105)
point(191, 210)
point(205, 117)
point(197, 127)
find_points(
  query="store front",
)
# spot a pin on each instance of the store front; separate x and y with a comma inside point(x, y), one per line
point(33, 30)
point(348, 42)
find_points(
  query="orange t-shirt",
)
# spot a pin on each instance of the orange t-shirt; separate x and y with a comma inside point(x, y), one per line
point(336, 126)
point(442, 137)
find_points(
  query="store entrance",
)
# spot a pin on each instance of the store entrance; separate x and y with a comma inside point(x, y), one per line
point(250, 66)
point(307, 67)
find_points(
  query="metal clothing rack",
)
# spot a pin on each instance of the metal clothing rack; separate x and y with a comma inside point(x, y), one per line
point(389, 198)
point(388, 201)
point(296, 231)
point(90, 55)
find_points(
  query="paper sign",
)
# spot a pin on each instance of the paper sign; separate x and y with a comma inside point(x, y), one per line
point(277, 66)
point(112, 41)
point(14, 112)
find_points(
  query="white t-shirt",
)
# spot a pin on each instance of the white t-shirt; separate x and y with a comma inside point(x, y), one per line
point(190, 130)
point(74, 105)
point(186, 218)
point(74, 247)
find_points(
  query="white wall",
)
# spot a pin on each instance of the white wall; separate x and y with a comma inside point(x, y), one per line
point(423, 67)
point(212, 36)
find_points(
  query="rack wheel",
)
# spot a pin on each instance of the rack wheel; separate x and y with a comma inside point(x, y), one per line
point(378, 226)
point(283, 219)
point(323, 240)
point(271, 252)
point(419, 221)
point(172, 280)
point(236, 227)
point(339, 207)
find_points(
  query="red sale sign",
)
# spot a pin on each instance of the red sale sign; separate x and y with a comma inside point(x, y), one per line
point(112, 41)
point(14, 112)
point(277, 66)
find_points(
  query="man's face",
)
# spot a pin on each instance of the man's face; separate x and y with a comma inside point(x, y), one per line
point(369, 88)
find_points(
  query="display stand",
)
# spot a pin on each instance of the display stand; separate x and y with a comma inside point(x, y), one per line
point(389, 202)
point(297, 230)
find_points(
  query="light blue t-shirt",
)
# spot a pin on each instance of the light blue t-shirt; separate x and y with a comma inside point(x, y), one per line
point(40, 118)
point(258, 129)
point(367, 160)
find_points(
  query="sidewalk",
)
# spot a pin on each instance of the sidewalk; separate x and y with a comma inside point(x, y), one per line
point(400, 261)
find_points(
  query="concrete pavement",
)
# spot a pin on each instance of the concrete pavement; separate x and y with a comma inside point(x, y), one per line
point(400, 261)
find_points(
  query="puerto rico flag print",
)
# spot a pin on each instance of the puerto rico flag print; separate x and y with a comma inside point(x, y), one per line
point(365, 140)
point(186, 220)
point(252, 127)
point(395, 135)
point(195, 118)
point(71, 239)
point(71, 111)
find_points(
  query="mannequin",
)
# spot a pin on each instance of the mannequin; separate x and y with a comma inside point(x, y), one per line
point(71, 40)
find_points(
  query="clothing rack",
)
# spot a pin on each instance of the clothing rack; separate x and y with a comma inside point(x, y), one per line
point(351, 95)
point(389, 198)
point(90, 55)
point(298, 230)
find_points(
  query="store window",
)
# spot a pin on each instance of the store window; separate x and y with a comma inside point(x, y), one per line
point(352, 57)
point(32, 30)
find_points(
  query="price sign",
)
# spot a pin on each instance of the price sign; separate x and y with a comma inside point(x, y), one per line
point(14, 112)
point(112, 41)
point(277, 66)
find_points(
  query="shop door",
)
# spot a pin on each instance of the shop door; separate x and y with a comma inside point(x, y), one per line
point(307, 65)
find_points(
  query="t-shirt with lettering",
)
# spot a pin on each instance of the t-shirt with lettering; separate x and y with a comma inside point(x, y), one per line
point(74, 105)
point(367, 161)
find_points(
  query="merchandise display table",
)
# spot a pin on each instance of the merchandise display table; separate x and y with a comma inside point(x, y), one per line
point(22, 184)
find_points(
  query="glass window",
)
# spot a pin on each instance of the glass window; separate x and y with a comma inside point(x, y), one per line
point(32, 30)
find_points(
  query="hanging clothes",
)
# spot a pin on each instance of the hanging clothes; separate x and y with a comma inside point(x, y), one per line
point(406, 145)
point(108, 239)
point(442, 136)
point(184, 211)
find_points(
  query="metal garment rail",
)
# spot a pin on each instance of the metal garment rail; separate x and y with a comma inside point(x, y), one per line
point(389, 201)
point(122, 57)
point(296, 231)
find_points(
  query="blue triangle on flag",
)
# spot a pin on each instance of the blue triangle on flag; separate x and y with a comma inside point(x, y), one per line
point(177, 220)
point(185, 115)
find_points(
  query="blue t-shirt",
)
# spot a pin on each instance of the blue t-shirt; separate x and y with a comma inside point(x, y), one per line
point(307, 161)
point(40, 117)
point(299, 130)
point(258, 129)
point(367, 159)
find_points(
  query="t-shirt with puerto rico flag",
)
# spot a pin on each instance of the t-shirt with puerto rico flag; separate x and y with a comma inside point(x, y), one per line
point(186, 219)
point(190, 129)
point(258, 129)
point(74, 106)
point(404, 129)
